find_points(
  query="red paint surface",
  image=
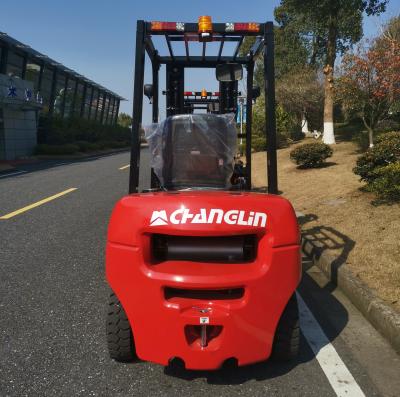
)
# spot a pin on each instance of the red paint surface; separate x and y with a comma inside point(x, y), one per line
point(248, 324)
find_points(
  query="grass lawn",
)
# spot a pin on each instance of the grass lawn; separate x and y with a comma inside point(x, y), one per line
point(364, 237)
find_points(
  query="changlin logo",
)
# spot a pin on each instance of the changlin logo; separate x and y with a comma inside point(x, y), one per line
point(215, 215)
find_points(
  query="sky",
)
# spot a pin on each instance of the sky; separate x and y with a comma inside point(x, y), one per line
point(97, 37)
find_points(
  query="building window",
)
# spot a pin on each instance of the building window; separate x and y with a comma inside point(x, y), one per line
point(93, 105)
point(69, 97)
point(110, 111)
point(79, 99)
point(59, 94)
point(106, 109)
point(115, 110)
point(45, 89)
point(15, 64)
point(32, 74)
point(88, 96)
point(100, 107)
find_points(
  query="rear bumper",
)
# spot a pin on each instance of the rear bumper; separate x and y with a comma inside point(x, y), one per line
point(160, 324)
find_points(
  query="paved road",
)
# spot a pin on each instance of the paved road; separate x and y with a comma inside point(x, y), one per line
point(53, 297)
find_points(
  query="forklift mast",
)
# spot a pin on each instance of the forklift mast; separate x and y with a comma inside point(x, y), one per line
point(177, 102)
point(175, 89)
point(228, 96)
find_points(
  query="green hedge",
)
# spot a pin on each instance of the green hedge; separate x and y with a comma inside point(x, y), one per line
point(85, 146)
point(386, 184)
point(311, 155)
point(386, 151)
point(59, 131)
point(379, 167)
point(67, 148)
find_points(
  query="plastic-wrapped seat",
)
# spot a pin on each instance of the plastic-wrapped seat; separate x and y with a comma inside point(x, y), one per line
point(194, 151)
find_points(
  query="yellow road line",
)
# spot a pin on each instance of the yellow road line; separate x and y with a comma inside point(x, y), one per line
point(44, 201)
point(124, 167)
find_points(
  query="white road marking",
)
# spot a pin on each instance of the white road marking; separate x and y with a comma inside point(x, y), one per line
point(124, 167)
point(13, 173)
point(335, 370)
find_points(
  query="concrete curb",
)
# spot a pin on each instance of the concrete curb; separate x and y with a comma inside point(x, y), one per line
point(378, 313)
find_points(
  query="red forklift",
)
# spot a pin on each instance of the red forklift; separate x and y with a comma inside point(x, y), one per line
point(202, 272)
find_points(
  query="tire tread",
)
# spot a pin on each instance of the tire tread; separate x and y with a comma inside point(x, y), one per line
point(287, 336)
point(119, 333)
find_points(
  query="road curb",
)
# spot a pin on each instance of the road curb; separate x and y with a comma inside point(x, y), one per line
point(375, 310)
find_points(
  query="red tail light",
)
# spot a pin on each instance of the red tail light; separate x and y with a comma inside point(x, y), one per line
point(171, 26)
point(242, 27)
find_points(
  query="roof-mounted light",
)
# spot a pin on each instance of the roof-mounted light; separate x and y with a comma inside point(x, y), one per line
point(169, 26)
point(205, 24)
point(242, 27)
point(205, 28)
point(203, 93)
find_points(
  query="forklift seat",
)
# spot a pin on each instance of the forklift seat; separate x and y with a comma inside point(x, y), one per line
point(197, 151)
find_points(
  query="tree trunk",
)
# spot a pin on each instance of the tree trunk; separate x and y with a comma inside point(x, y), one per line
point(371, 137)
point(370, 130)
point(391, 87)
point(304, 123)
point(313, 58)
point(329, 136)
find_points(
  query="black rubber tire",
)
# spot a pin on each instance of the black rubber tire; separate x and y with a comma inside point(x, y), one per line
point(120, 341)
point(287, 336)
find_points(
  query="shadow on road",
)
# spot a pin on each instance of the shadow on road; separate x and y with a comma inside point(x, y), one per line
point(327, 238)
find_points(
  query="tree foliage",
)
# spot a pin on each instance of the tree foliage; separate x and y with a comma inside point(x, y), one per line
point(291, 63)
point(124, 120)
point(300, 92)
point(290, 53)
point(315, 18)
point(379, 167)
point(391, 31)
point(369, 84)
point(286, 126)
point(386, 151)
point(328, 27)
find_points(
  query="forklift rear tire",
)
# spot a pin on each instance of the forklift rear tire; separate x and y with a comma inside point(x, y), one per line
point(119, 333)
point(287, 336)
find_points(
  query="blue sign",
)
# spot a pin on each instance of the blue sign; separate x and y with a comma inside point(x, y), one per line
point(12, 91)
point(240, 106)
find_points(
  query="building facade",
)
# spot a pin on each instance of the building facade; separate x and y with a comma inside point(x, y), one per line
point(31, 84)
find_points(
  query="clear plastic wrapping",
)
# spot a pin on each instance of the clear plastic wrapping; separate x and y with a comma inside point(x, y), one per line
point(193, 150)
